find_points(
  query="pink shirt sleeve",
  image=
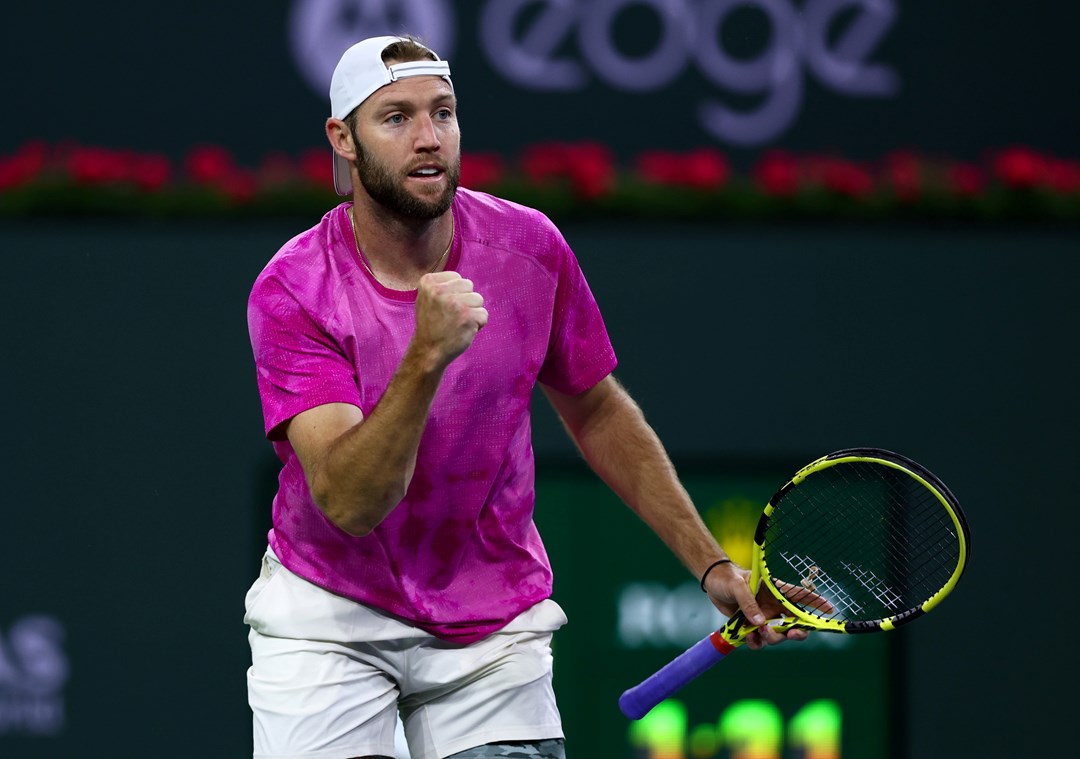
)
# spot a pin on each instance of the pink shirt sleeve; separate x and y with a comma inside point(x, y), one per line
point(580, 352)
point(300, 366)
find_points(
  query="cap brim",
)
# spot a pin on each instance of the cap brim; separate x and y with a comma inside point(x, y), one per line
point(342, 176)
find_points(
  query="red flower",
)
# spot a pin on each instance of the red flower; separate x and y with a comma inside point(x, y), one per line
point(97, 166)
point(1063, 176)
point(702, 169)
point(904, 173)
point(706, 169)
point(660, 166)
point(151, 171)
point(276, 169)
point(777, 174)
point(592, 169)
point(479, 170)
point(1020, 168)
point(23, 166)
point(544, 162)
point(317, 167)
point(844, 177)
point(965, 179)
point(589, 166)
point(209, 164)
point(10, 174)
point(239, 186)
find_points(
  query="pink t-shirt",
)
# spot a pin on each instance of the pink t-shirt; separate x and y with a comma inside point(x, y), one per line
point(460, 555)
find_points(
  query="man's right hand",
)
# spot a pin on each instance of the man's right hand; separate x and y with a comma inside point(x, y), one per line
point(449, 313)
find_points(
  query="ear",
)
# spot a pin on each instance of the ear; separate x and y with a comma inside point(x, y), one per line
point(341, 140)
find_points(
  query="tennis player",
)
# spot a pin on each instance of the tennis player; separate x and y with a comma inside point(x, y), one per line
point(397, 346)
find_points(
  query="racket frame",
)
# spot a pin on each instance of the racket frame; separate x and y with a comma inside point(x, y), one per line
point(760, 569)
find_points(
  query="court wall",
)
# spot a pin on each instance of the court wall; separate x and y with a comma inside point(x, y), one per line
point(137, 481)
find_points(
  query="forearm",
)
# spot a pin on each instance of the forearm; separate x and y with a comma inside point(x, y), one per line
point(360, 468)
point(625, 452)
point(367, 470)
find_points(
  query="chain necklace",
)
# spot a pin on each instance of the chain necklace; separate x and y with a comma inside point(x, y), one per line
point(367, 264)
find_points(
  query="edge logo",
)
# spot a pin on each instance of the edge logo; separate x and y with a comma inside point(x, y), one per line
point(566, 45)
point(33, 671)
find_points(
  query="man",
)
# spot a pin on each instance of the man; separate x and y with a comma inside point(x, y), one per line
point(397, 345)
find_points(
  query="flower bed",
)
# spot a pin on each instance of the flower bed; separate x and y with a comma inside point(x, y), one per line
point(562, 179)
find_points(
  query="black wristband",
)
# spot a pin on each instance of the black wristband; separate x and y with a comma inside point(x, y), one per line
point(709, 569)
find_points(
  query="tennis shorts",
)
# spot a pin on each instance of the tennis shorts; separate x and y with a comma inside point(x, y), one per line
point(329, 677)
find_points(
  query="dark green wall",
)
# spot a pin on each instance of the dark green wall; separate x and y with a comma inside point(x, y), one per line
point(136, 477)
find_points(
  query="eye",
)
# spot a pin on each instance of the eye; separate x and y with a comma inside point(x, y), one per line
point(396, 118)
point(444, 114)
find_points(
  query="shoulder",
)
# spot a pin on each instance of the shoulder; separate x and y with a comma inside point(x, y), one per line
point(299, 265)
point(504, 224)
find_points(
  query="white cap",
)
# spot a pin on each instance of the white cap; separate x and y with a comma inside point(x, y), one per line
point(359, 73)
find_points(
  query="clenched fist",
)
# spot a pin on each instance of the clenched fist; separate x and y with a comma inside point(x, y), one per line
point(449, 313)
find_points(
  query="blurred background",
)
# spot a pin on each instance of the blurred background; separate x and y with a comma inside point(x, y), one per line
point(811, 225)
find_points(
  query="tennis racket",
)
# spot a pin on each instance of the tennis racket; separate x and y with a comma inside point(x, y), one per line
point(873, 533)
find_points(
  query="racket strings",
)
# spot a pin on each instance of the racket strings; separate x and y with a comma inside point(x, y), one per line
point(876, 540)
point(892, 553)
point(816, 581)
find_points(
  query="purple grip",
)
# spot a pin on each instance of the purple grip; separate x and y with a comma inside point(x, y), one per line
point(636, 702)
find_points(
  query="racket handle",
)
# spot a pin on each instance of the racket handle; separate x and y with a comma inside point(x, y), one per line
point(636, 702)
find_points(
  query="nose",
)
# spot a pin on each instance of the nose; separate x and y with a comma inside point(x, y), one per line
point(426, 138)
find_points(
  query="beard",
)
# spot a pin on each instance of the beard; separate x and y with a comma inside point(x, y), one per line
point(388, 189)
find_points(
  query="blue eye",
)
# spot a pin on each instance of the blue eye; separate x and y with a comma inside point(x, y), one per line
point(397, 118)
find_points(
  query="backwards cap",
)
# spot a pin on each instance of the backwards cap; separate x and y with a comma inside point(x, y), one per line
point(361, 72)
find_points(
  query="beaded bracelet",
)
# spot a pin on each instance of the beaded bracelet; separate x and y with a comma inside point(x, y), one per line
point(709, 569)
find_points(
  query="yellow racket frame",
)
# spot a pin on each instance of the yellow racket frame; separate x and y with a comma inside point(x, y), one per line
point(737, 628)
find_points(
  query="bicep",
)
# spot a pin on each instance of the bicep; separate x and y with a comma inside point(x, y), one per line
point(312, 433)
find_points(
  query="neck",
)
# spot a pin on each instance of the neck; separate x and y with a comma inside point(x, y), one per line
point(399, 251)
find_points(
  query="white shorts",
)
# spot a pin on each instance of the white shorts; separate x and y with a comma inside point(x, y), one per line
point(329, 677)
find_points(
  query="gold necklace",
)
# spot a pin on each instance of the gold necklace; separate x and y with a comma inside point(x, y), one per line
point(367, 264)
